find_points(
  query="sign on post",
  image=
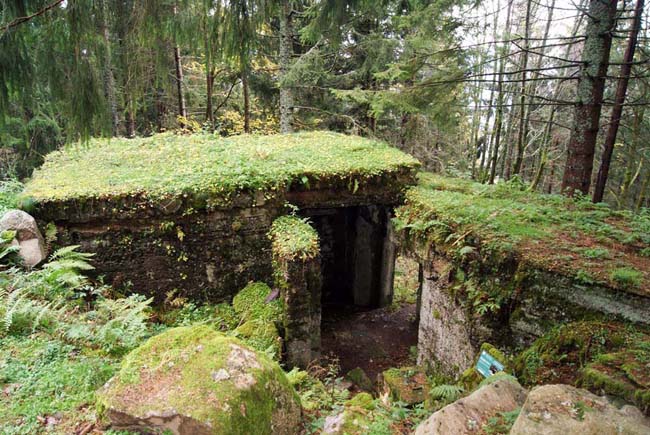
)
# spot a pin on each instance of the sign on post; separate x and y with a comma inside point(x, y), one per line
point(487, 365)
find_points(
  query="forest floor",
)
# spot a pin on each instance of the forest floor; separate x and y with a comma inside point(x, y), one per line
point(374, 340)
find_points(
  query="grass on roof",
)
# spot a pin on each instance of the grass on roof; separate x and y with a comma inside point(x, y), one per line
point(590, 241)
point(294, 238)
point(167, 165)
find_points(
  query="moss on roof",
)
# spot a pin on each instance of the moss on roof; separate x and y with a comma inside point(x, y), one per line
point(166, 165)
point(294, 237)
point(590, 242)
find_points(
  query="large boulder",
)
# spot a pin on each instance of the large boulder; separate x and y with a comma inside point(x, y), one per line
point(28, 238)
point(469, 414)
point(563, 409)
point(194, 380)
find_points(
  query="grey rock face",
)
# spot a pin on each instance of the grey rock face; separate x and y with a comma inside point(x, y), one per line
point(564, 410)
point(467, 415)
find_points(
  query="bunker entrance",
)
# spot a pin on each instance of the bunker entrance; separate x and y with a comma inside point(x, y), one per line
point(360, 324)
point(357, 255)
point(371, 338)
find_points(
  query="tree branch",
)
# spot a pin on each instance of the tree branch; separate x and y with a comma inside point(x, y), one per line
point(21, 20)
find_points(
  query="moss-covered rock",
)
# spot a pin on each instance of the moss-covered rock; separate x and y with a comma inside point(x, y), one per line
point(558, 356)
point(625, 375)
point(194, 380)
point(360, 379)
point(471, 378)
point(261, 335)
point(406, 384)
point(363, 401)
point(604, 357)
point(251, 303)
point(355, 419)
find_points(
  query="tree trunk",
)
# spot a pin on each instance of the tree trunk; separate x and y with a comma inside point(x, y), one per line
point(130, 122)
point(522, 133)
point(109, 78)
point(621, 92)
point(582, 144)
point(209, 112)
point(286, 54)
point(498, 118)
point(478, 150)
point(544, 151)
point(551, 176)
point(182, 111)
point(247, 103)
point(533, 85)
point(644, 193)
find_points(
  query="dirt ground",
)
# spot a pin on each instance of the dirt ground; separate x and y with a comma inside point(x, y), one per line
point(374, 340)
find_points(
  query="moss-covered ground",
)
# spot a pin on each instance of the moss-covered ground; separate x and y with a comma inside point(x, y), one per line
point(168, 165)
point(605, 357)
point(495, 224)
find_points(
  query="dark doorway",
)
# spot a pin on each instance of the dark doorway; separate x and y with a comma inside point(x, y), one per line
point(357, 255)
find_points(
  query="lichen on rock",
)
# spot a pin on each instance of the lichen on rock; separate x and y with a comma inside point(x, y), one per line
point(195, 380)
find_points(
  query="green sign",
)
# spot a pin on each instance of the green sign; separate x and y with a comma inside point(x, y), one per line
point(487, 365)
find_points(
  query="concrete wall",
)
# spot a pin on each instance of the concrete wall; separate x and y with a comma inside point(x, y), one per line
point(444, 332)
point(450, 332)
point(201, 255)
point(171, 247)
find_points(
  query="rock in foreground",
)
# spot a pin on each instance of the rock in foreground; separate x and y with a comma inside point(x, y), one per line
point(194, 380)
point(28, 237)
point(563, 410)
point(469, 414)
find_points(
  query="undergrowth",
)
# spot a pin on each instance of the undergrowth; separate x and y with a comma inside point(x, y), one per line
point(61, 337)
point(9, 192)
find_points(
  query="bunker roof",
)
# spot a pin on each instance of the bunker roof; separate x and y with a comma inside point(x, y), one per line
point(168, 165)
point(470, 221)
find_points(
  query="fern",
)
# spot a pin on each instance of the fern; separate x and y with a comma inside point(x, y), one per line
point(446, 393)
point(48, 300)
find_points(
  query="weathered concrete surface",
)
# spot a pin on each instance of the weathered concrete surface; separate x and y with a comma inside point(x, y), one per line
point(445, 334)
point(28, 237)
point(547, 299)
point(189, 247)
point(563, 409)
point(202, 256)
point(469, 414)
point(451, 331)
point(300, 288)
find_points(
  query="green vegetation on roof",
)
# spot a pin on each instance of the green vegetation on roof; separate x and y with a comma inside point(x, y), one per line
point(167, 164)
point(590, 241)
point(294, 238)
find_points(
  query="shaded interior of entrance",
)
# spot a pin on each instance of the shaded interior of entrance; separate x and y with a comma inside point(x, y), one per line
point(359, 326)
point(357, 255)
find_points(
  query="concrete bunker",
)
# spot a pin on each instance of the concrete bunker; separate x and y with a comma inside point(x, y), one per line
point(202, 228)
